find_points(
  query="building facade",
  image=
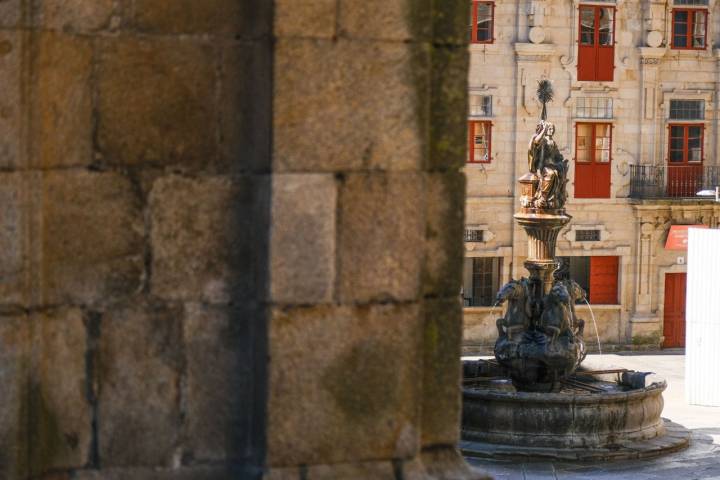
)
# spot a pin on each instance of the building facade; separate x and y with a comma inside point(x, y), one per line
point(636, 115)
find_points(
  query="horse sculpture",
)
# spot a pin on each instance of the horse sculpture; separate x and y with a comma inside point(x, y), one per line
point(519, 312)
point(556, 317)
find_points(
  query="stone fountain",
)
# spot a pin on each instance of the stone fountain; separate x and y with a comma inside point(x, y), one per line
point(535, 399)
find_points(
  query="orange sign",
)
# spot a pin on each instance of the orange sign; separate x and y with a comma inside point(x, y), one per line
point(678, 236)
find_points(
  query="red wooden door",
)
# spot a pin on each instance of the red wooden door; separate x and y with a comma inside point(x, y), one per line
point(604, 280)
point(593, 142)
point(674, 321)
point(596, 43)
point(685, 160)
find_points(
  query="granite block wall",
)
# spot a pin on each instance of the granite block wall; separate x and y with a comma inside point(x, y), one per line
point(230, 240)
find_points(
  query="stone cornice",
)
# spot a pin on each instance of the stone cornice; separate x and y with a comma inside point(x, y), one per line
point(651, 52)
point(535, 51)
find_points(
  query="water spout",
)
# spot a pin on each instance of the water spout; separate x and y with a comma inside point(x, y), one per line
point(597, 335)
point(494, 307)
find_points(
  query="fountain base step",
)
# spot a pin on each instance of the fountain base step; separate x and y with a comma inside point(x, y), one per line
point(676, 438)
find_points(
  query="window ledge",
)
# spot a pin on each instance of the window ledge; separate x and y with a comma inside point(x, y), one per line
point(685, 121)
point(479, 165)
point(604, 201)
point(688, 53)
point(599, 306)
point(484, 47)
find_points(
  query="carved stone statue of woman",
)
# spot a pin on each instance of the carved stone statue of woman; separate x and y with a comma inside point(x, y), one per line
point(546, 161)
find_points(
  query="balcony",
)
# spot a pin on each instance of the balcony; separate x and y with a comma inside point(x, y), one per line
point(669, 181)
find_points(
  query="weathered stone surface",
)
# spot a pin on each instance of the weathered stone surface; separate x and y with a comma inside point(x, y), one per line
point(446, 462)
point(14, 358)
point(352, 395)
point(219, 369)
point(441, 403)
point(77, 15)
point(399, 20)
point(11, 112)
point(140, 358)
point(444, 251)
point(302, 252)
point(13, 238)
point(320, 85)
point(245, 108)
point(154, 105)
point(292, 473)
point(226, 17)
point(448, 107)
point(10, 13)
point(382, 225)
point(203, 235)
point(59, 414)
point(353, 471)
point(92, 237)
point(63, 102)
point(307, 18)
point(184, 473)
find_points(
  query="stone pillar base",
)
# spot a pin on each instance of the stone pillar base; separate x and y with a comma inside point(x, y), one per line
point(441, 463)
point(446, 463)
point(646, 330)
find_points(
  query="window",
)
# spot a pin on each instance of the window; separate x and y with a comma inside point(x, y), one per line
point(687, 109)
point(594, 107)
point(479, 149)
point(481, 281)
point(480, 105)
point(481, 22)
point(473, 235)
point(598, 276)
point(685, 157)
point(587, 235)
point(686, 144)
point(689, 29)
point(596, 43)
point(593, 142)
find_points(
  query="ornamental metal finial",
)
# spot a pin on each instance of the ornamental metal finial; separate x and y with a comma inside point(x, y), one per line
point(545, 95)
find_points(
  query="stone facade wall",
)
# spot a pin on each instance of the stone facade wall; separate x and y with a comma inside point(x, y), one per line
point(645, 79)
point(230, 238)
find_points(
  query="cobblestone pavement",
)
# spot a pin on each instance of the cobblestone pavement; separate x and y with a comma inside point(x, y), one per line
point(700, 461)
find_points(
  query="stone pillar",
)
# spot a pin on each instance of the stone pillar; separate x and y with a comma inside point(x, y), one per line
point(369, 129)
point(645, 322)
point(650, 59)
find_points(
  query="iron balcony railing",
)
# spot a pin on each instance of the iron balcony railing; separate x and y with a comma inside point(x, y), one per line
point(669, 181)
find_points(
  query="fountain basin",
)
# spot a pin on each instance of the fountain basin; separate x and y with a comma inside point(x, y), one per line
point(562, 420)
point(614, 421)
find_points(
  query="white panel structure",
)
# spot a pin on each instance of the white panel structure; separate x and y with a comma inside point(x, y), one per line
point(702, 341)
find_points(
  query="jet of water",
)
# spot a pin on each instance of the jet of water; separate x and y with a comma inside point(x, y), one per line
point(492, 310)
point(597, 335)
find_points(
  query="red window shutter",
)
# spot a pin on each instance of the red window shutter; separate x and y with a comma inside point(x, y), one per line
point(593, 142)
point(587, 48)
point(604, 280)
point(606, 64)
point(596, 43)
